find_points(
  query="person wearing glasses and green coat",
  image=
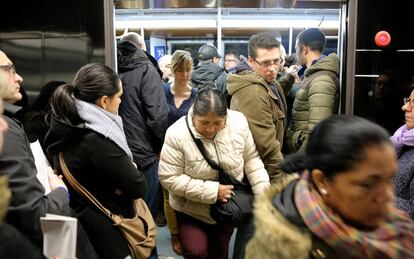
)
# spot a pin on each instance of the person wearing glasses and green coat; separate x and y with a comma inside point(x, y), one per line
point(255, 92)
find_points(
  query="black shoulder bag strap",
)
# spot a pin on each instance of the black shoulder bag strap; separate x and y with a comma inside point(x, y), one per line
point(202, 149)
point(223, 178)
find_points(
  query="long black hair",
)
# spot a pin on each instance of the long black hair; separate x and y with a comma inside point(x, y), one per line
point(336, 144)
point(91, 82)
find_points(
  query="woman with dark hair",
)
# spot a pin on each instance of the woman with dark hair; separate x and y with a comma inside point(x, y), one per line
point(85, 127)
point(193, 185)
point(180, 96)
point(35, 120)
point(342, 205)
point(403, 141)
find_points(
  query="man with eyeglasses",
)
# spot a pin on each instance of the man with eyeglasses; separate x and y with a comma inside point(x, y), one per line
point(255, 92)
point(231, 60)
point(28, 201)
point(318, 95)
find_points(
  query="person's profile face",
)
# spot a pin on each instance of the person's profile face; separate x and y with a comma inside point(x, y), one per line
point(13, 79)
point(3, 126)
point(300, 53)
point(408, 108)
point(230, 60)
point(362, 195)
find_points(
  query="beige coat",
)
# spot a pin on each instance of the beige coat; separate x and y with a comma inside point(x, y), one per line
point(191, 182)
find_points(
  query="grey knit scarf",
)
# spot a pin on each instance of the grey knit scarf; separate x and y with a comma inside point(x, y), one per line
point(103, 122)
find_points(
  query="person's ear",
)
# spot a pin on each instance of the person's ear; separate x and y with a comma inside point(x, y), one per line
point(305, 50)
point(102, 102)
point(320, 181)
point(250, 61)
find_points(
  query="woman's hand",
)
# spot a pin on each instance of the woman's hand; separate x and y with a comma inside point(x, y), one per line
point(225, 192)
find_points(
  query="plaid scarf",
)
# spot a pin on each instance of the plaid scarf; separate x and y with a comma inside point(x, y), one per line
point(394, 237)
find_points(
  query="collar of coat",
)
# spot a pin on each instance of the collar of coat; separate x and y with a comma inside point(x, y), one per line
point(273, 228)
point(10, 109)
point(248, 77)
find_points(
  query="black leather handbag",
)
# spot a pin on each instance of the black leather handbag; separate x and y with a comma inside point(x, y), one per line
point(240, 206)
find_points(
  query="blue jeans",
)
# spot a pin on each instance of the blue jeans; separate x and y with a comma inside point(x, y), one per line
point(151, 174)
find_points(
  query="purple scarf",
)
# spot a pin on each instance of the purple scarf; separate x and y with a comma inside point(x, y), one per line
point(403, 137)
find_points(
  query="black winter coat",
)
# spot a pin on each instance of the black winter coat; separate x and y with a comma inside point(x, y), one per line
point(28, 202)
point(107, 172)
point(15, 245)
point(144, 107)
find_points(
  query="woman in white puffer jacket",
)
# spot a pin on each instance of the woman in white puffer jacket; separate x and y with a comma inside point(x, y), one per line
point(193, 184)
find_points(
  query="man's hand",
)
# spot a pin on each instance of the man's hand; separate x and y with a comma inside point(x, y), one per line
point(55, 180)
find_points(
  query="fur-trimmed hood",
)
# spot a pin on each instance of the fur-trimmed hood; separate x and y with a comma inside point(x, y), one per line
point(275, 236)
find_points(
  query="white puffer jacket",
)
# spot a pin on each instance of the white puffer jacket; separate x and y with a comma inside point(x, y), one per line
point(192, 183)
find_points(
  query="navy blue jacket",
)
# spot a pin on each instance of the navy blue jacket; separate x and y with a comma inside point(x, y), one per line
point(144, 108)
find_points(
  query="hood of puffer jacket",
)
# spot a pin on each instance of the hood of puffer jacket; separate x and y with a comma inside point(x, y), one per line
point(244, 78)
point(275, 235)
point(206, 71)
point(61, 133)
point(329, 63)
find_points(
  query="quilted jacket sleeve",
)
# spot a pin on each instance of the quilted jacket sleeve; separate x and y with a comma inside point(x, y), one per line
point(253, 165)
point(321, 96)
point(172, 172)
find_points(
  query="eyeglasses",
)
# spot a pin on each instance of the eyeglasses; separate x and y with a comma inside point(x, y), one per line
point(409, 100)
point(230, 60)
point(268, 63)
point(9, 68)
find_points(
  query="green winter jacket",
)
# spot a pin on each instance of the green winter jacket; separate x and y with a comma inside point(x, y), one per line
point(252, 96)
point(317, 99)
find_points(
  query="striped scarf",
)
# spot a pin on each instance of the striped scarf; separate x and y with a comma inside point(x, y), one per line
point(394, 237)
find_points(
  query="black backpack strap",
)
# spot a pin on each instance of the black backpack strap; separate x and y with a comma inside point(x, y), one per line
point(202, 149)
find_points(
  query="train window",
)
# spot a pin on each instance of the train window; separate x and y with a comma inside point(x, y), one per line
point(239, 48)
point(331, 46)
point(191, 47)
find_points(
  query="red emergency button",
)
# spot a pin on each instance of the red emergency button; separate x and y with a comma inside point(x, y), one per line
point(382, 39)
